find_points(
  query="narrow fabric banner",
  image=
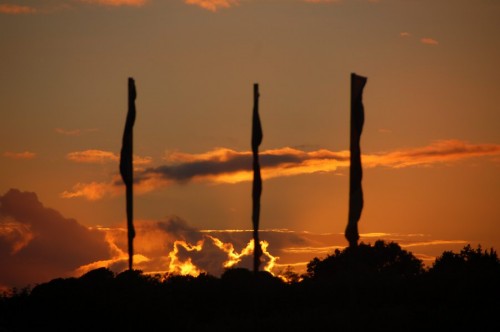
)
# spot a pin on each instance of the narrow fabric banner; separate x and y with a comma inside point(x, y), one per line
point(257, 180)
point(126, 166)
point(356, 171)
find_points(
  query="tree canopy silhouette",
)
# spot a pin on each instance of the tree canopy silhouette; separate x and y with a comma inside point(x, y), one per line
point(366, 260)
point(370, 287)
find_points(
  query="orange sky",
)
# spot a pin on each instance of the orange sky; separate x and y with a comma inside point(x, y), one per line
point(431, 141)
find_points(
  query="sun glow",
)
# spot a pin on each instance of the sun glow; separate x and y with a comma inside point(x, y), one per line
point(186, 266)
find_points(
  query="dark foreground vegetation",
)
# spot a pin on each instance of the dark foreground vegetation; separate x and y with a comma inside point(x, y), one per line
point(376, 287)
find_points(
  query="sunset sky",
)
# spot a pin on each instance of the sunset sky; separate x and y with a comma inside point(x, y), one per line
point(431, 140)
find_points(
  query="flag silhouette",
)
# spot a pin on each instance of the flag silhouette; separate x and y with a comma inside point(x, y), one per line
point(126, 166)
point(356, 170)
point(257, 180)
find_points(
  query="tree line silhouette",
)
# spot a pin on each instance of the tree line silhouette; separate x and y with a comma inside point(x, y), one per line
point(378, 287)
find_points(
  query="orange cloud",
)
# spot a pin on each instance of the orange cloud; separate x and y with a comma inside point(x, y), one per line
point(92, 156)
point(19, 235)
point(19, 155)
point(16, 9)
point(228, 166)
point(102, 157)
point(212, 5)
point(92, 191)
point(117, 3)
point(142, 160)
point(404, 34)
point(439, 152)
point(429, 41)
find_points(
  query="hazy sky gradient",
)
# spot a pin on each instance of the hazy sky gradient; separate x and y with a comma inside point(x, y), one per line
point(430, 143)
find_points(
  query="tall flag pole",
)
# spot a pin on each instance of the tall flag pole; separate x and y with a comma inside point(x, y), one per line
point(126, 167)
point(257, 180)
point(356, 170)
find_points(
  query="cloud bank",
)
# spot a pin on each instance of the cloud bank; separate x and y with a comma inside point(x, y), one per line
point(229, 166)
point(38, 244)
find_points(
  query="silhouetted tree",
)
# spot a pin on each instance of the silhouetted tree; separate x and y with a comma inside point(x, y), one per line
point(472, 274)
point(366, 260)
point(468, 261)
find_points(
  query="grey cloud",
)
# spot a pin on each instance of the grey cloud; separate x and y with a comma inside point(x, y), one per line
point(53, 245)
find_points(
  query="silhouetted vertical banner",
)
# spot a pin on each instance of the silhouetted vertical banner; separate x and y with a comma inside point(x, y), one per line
point(127, 168)
point(356, 170)
point(257, 180)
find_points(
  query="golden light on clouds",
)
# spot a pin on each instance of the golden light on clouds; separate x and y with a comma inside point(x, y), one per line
point(92, 191)
point(18, 234)
point(233, 256)
point(102, 157)
point(212, 5)
point(173, 247)
point(186, 266)
point(228, 166)
point(92, 156)
point(438, 152)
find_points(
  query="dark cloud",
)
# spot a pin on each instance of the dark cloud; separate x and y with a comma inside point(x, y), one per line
point(179, 229)
point(187, 171)
point(37, 243)
point(225, 161)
